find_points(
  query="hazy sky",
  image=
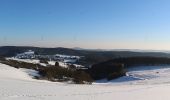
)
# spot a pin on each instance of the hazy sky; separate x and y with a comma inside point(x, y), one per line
point(107, 24)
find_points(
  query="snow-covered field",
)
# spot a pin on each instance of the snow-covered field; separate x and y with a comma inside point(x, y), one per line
point(139, 84)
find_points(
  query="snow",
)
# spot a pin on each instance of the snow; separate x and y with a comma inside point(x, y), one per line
point(34, 61)
point(62, 64)
point(29, 52)
point(52, 62)
point(143, 75)
point(30, 72)
point(17, 84)
point(7, 72)
point(67, 56)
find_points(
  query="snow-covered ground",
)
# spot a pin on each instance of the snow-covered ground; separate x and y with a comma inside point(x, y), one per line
point(143, 75)
point(34, 61)
point(139, 84)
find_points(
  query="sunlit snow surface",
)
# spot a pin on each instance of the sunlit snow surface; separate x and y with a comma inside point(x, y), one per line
point(139, 84)
point(143, 75)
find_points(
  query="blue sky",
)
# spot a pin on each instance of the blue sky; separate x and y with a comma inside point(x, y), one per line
point(105, 24)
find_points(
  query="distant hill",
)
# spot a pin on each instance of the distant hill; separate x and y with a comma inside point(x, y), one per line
point(90, 56)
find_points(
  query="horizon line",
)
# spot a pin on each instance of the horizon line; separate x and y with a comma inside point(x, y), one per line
point(97, 49)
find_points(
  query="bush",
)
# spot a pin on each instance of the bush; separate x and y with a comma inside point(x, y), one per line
point(81, 77)
point(106, 70)
point(71, 66)
point(2, 58)
point(18, 64)
point(64, 74)
point(57, 64)
point(115, 75)
point(44, 61)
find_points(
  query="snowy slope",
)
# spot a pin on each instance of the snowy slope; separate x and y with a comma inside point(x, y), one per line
point(7, 72)
point(16, 84)
point(143, 75)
